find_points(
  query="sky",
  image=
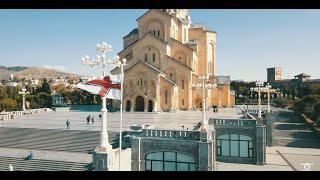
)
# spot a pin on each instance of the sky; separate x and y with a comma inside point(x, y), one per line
point(248, 41)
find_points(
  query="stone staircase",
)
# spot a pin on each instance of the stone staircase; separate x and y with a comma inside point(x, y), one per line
point(20, 164)
point(291, 131)
point(53, 139)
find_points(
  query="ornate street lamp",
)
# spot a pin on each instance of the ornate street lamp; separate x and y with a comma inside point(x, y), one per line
point(268, 89)
point(259, 84)
point(204, 85)
point(101, 60)
point(23, 92)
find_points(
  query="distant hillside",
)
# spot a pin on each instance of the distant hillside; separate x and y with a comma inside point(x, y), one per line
point(41, 72)
point(4, 73)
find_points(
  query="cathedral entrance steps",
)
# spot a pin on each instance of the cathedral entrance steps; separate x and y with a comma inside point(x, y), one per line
point(55, 140)
point(20, 164)
point(289, 130)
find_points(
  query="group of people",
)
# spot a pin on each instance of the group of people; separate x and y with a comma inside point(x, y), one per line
point(91, 118)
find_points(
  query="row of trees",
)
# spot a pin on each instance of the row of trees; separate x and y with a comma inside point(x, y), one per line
point(40, 96)
point(309, 104)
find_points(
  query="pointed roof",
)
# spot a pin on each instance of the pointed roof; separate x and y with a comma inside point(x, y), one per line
point(204, 27)
point(180, 63)
point(158, 10)
point(302, 75)
point(162, 74)
point(140, 39)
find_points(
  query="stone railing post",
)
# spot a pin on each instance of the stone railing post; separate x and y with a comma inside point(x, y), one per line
point(269, 129)
point(260, 144)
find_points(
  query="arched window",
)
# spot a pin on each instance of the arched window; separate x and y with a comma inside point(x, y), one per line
point(166, 96)
point(169, 161)
point(145, 57)
point(153, 57)
point(154, 28)
point(236, 145)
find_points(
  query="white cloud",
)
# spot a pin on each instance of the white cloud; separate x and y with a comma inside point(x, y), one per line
point(58, 68)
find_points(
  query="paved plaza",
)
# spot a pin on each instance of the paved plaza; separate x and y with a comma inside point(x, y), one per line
point(279, 158)
point(163, 120)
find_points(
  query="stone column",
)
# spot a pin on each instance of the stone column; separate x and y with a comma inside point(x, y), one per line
point(228, 98)
point(260, 144)
point(136, 163)
point(207, 149)
point(269, 129)
point(155, 106)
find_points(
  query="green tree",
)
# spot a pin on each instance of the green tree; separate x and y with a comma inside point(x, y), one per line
point(45, 99)
point(3, 92)
point(9, 104)
point(316, 110)
point(45, 86)
point(33, 100)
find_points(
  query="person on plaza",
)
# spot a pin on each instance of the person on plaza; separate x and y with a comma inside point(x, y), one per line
point(30, 157)
point(100, 117)
point(68, 124)
point(92, 119)
point(10, 167)
point(88, 119)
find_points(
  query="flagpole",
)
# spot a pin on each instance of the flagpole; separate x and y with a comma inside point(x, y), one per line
point(123, 63)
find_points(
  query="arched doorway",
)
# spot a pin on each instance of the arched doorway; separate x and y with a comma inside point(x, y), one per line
point(198, 103)
point(139, 104)
point(128, 105)
point(150, 106)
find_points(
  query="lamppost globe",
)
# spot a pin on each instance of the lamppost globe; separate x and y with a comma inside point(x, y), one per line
point(117, 58)
point(124, 60)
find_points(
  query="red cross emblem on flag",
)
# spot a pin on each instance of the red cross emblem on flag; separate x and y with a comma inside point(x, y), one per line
point(103, 87)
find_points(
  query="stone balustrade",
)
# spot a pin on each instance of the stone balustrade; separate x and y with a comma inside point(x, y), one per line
point(233, 122)
point(4, 117)
point(172, 134)
point(13, 114)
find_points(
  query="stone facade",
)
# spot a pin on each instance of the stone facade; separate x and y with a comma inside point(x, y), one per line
point(204, 144)
point(166, 54)
point(183, 142)
point(244, 127)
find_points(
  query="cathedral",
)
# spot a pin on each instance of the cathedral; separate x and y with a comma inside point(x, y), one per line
point(166, 55)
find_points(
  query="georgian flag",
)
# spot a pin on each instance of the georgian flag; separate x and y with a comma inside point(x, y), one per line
point(109, 86)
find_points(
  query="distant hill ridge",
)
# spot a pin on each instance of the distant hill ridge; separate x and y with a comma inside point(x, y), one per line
point(32, 73)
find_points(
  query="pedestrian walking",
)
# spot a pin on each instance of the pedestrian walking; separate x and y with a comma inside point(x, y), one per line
point(100, 117)
point(92, 119)
point(10, 167)
point(30, 156)
point(68, 124)
point(88, 119)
